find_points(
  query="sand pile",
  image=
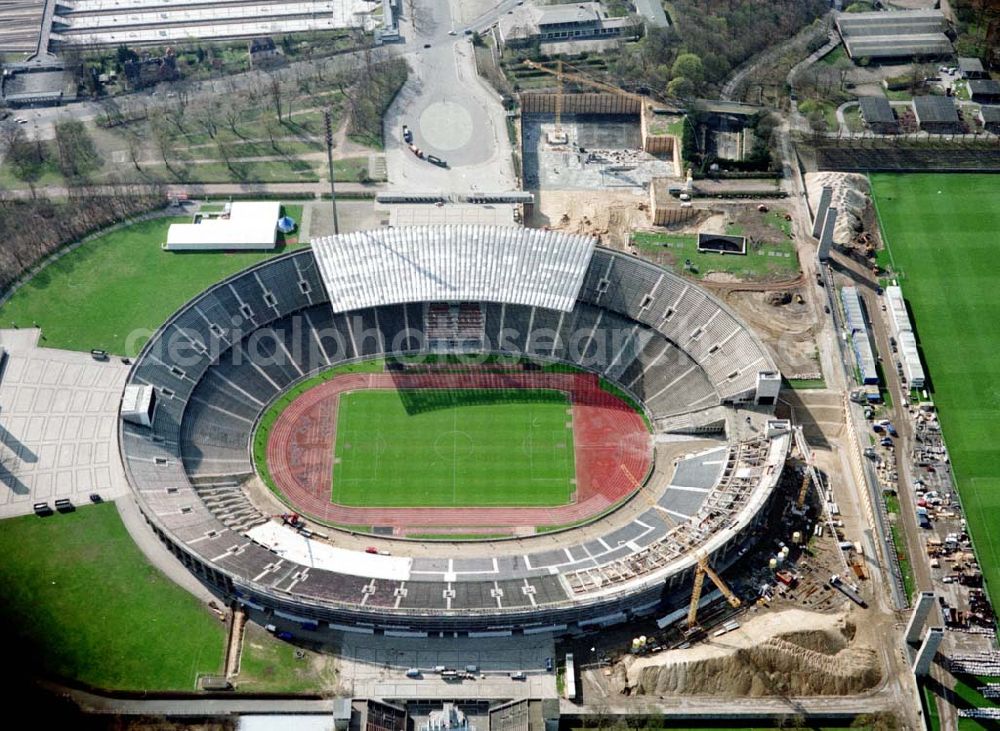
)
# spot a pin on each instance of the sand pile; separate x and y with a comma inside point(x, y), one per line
point(784, 653)
point(850, 198)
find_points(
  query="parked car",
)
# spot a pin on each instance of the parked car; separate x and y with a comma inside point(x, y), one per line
point(407, 134)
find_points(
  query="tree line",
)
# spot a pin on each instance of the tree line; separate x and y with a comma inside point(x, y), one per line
point(33, 228)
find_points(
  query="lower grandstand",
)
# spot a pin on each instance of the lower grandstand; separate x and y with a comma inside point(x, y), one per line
point(663, 344)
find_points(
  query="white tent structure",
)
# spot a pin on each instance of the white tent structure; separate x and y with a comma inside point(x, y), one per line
point(250, 225)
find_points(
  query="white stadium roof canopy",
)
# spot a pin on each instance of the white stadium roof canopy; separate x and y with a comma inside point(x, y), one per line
point(453, 263)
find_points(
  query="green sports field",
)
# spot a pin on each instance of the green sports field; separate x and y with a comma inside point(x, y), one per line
point(943, 236)
point(120, 283)
point(477, 447)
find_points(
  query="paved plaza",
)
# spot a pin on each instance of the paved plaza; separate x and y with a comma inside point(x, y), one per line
point(58, 420)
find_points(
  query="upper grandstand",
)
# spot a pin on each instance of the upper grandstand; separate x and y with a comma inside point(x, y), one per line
point(221, 359)
point(434, 263)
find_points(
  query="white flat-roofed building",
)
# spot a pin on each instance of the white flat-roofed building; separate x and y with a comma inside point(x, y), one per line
point(906, 341)
point(909, 357)
point(249, 225)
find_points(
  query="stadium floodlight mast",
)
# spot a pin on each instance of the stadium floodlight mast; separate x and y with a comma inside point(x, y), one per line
point(329, 159)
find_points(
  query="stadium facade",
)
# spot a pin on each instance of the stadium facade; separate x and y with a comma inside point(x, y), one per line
point(219, 361)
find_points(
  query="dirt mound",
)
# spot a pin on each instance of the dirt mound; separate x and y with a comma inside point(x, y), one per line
point(851, 196)
point(785, 653)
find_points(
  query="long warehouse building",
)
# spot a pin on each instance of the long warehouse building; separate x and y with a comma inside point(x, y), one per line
point(857, 326)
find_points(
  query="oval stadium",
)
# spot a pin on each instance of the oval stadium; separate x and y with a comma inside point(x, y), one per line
point(486, 430)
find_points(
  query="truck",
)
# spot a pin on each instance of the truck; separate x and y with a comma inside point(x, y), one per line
point(923, 519)
point(787, 578)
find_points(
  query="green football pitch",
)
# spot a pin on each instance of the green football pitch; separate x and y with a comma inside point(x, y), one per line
point(943, 237)
point(444, 448)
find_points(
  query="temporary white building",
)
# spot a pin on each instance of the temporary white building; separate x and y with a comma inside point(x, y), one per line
point(249, 225)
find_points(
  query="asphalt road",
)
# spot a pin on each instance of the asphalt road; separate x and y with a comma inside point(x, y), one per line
point(452, 113)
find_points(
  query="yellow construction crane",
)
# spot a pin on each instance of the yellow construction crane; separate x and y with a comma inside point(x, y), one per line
point(578, 78)
point(559, 137)
point(808, 470)
point(649, 496)
point(701, 570)
point(804, 490)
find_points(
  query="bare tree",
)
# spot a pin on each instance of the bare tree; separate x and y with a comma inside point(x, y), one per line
point(134, 149)
point(164, 138)
point(208, 119)
point(232, 112)
point(275, 90)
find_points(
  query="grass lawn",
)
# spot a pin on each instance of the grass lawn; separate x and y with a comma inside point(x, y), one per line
point(834, 56)
point(806, 384)
point(762, 261)
point(941, 231)
point(81, 602)
point(269, 665)
point(120, 284)
point(268, 171)
point(431, 447)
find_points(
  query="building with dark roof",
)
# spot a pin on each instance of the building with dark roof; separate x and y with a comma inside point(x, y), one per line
point(936, 114)
point(990, 118)
point(971, 68)
point(877, 114)
point(905, 34)
point(263, 52)
point(984, 91)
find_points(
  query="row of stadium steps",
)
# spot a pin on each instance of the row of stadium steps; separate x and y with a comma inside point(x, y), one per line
point(224, 497)
point(192, 380)
point(626, 352)
point(683, 314)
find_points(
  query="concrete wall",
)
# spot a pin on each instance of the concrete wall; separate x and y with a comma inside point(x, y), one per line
point(534, 102)
point(663, 216)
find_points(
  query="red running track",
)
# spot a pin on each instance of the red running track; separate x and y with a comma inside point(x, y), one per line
point(610, 440)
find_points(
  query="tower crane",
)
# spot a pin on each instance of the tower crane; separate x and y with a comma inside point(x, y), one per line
point(578, 78)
